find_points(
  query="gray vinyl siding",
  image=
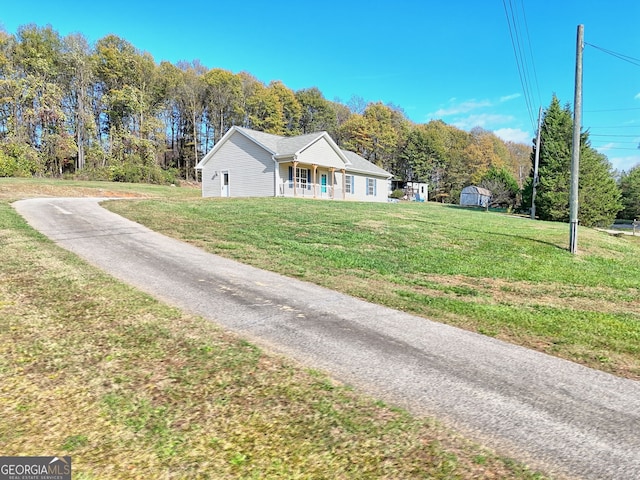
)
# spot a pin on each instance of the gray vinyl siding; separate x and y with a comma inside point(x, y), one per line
point(321, 153)
point(359, 186)
point(251, 169)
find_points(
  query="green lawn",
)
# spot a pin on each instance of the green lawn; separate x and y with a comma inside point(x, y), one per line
point(131, 388)
point(500, 275)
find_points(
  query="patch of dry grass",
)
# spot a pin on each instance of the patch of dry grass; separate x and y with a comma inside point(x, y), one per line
point(17, 188)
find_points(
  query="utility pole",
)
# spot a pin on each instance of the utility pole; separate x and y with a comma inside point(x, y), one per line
point(535, 167)
point(575, 150)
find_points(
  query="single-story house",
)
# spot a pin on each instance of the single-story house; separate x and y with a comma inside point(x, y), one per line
point(475, 196)
point(248, 163)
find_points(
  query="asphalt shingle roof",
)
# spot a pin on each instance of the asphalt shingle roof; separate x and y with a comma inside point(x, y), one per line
point(363, 165)
point(284, 146)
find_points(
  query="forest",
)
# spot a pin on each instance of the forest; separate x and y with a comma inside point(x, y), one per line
point(108, 111)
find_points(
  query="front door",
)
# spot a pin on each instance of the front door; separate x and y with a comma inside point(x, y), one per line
point(225, 184)
point(323, 183)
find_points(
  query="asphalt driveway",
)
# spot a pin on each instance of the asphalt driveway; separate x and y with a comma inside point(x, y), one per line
point(550, 413)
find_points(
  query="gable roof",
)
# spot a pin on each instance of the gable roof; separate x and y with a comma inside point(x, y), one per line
point(362, 165)
point(278, 145)
point(286, 147)
point(293, 145)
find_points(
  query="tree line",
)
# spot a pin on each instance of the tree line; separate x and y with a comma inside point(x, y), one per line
point(109, 111)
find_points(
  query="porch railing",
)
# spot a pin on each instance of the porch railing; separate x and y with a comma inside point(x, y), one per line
point(307, 191)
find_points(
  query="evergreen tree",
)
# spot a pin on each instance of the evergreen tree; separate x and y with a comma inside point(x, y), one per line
point(630, 187)
point(599, 195)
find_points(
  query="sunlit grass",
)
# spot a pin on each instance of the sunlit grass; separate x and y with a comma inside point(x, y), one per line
point(500, 275)
point(131, 388)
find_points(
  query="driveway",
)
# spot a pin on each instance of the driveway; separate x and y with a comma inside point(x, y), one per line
point(547, 412)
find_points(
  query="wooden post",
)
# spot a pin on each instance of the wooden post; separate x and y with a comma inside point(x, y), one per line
point(535, 167)
point(333, 182)
point(575, 149)
point(315, 171)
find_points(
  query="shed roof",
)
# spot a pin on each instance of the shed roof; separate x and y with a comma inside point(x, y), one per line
point(478, 190)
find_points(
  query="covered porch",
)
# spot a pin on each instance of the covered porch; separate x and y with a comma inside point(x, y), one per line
point(305, 180)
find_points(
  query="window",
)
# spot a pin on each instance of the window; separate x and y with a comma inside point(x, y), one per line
point(302, 174)
point(348, 183)
point(371, 186)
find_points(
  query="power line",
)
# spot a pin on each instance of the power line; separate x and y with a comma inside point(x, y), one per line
point(607, 148)
point(612, 135)
point(615, 126)
point(612, 110)
point(620, 56)
point(533, 64)
point(512, 22)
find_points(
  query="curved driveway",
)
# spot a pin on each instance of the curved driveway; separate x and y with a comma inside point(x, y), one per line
point(550, 413)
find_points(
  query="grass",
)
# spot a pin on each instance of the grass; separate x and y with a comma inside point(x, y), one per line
point(499, 275)
point(131, 388)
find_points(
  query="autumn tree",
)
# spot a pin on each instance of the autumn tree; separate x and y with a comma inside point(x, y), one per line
point(41, 118)
point(356, 135)
point(503, 187)
point(419, 158)
point(343, 113)
point(379, 135)
point(264, 111)
point(520, 161)
point(291, 108)
point(79, 84)
point(191, 93)
point(224, 101)
point(108, 111)
point(317, 113)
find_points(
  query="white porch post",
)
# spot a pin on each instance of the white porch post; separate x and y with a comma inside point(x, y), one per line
point(344, 184)
point(278, 185)
point(333, 182)
point(315, 171)
point(295, 177)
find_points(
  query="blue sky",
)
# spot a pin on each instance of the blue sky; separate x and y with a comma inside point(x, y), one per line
point(451, 60)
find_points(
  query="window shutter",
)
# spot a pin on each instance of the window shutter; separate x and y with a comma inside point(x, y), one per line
point(290, 177)
point(366, 185)
point(375, 187)
point(308, 179)
point(353, 184)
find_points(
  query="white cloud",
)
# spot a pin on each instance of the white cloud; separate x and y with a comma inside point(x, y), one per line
point(606, 148)
point(506, 98)
point(513, 135)
point(456, 107)
point(463, 107)
point(625, 163)
point(484, 120)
